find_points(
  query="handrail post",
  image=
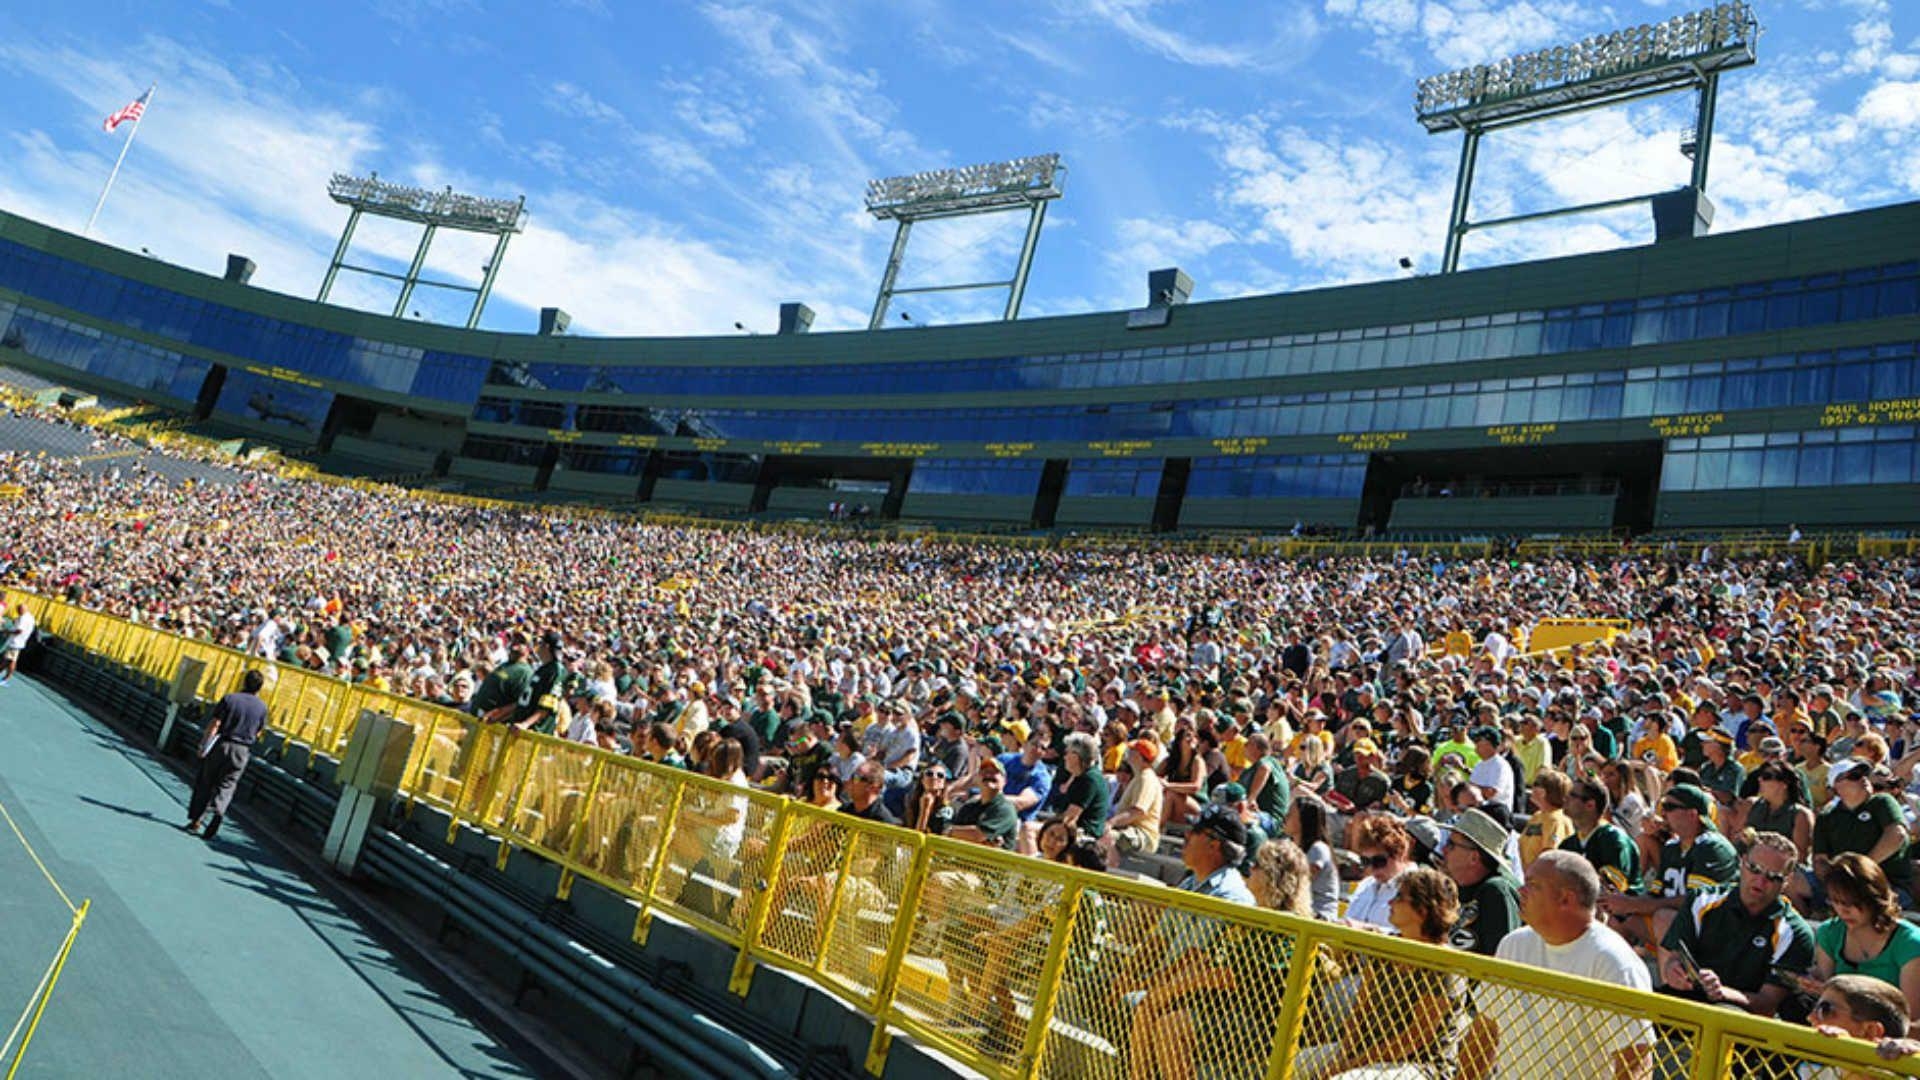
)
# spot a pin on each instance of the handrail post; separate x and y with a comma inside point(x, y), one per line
point(771, 865)
point(823, 920)
point(579, 837)
point(1709, 1055)
point(659, 868)
point(507, 831)
point(1293, 1005)
point(1046, 992)
point(896, 957)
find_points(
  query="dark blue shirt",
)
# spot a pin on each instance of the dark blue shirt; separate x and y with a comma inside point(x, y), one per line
point(241, 717)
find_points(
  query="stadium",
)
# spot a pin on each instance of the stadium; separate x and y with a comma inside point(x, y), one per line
point(1487, 674)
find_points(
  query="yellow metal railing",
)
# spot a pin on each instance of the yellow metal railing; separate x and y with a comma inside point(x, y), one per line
point(1011, 965)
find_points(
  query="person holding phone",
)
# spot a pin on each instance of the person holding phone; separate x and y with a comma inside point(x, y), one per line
point(1725, 944)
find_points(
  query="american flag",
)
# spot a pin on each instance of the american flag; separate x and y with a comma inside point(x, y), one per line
point(131, 111)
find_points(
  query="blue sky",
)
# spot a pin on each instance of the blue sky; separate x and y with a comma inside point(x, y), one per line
point(690, 165)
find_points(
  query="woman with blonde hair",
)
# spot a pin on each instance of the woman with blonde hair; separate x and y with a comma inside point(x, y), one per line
point(1280, 878)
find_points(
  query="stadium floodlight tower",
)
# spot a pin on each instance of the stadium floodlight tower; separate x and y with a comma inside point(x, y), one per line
point(1027, 183)
point(1686, 52)
point(436, 210)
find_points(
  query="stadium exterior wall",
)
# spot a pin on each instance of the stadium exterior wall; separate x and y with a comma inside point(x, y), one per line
point(1747, 379)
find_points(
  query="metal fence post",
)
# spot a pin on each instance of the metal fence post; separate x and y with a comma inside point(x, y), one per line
point(896, 956)
point(580, 827)
point(756, 923)
point(1046, 993)
point(1293, 1006)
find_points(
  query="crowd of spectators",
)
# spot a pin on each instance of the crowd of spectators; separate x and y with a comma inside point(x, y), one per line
point(1737, 768)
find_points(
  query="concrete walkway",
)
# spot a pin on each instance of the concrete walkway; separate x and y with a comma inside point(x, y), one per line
point(198, 959)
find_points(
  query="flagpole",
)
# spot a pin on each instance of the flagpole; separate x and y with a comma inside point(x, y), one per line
point(124, 147)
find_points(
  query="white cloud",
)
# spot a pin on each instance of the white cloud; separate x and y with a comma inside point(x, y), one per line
point(1145, 244)
point(1891, 105)
point(1289, 39)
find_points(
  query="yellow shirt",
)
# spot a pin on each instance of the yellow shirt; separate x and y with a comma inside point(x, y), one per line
point(1657, 750)
point(1235, 751)
point(1544, 831)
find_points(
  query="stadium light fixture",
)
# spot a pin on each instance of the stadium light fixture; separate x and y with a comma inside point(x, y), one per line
point(436, 210)
point(1027, 183)
point(1686, 52)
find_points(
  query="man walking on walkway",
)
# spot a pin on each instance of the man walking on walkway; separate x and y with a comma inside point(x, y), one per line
point(236, 723)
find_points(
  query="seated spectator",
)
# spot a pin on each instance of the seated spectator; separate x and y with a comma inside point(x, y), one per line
point(1857, 1007)
point(1082, 799)
point(1779, 805)
point(1867, 935)
point(1561, 935)
point(1864, 822)
point(1548, 824)
point(1720, 774)
point(1489, 894)
point(864, 794)
point(1181, 978)
point(1383, 845)
point(1265, 779)
point(989, 818)
point(1708, 953)
point(927, 808)
point(1312, 768)
point(1029, 782)
point(1602, 843)
point(1408, 1019)
point(1363, 787)
point(1134, 827)
point(1695, 857)
point(1280, 877)
point(1307, 825)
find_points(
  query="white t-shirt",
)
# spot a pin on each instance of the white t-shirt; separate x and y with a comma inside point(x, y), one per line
point(1522, 1016)
point(22, 632)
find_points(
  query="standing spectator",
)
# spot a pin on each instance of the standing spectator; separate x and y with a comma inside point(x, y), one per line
point(1489, 896)
point(505, 689)
point(19, 633)
point(1561, 935)
point(235, 725)
point(1718, 929)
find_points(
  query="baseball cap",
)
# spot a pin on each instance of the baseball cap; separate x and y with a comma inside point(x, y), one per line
point(1689, 797)
point(1367, 747)
point(1230, 792)
point(1222, 823)
point(1146, 748)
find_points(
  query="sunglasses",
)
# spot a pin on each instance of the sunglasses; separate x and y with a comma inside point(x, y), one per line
point(1673, 806)
point(1823, 1007)
point(1374, 862)
point(1777, 877)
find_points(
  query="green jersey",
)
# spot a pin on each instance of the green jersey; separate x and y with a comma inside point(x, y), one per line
point(1612, 853)
point(1740, 947)
point(508, 684)
point(545, 693)
point(1841, 830)
point(1708, 862)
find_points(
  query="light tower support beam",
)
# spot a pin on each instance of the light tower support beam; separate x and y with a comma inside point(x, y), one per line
point(891, 274)
point(1017, 290)
point(339, 254)
point(486, 281)
point(413, 272)
point(1703, 128)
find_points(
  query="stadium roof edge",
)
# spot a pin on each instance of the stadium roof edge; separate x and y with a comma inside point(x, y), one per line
point(1806, 245)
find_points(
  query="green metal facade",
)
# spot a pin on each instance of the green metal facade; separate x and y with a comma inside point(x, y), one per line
point(684, 438)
